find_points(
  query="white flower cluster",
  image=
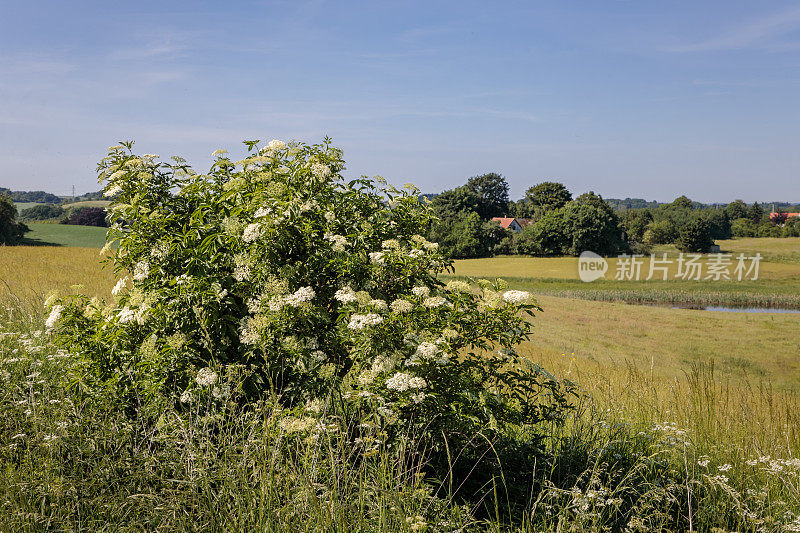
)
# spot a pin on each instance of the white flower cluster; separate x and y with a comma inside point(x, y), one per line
point(434, 301)
point(420, 291)
point(249, 334)
point(252, 232)
point(390, 244)
point(262, 212)
point(121, 285)
point(402, 382)
point(206, 377)
point(338, 241)
point(320, 171)
point(141, 270)
point(346, 295)
point(517, 297)
point(126, 314)
point(55, 314)
point(457, 286)
point(111, 191)
point(401, 306)
point(275, 145)
point(358, 322)
point(379, 304)
point(159, 251)
point(300, 296)
point(377, 258)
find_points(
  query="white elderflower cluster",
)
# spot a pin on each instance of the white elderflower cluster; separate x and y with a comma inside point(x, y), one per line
point(320, 171)
point(249, 335)
point(186, 397)
point(121, 285)
point(390, 244)
point(116, 175)
point(126, 314)
point(262, 212)
point(300, 296)
point(421, 291)
point(55, 314)
point(415, 253)
point(338, 241)
point(517, 297)
point(141, 270)
point(275, 145)
point(252, 232)
point(434, 301)
point(346, 295)
point(114, 189)
point(401, 306)
point(427, 350)
point(358, 322)
point(377, 258)
point(159, 251)
point(379, 304)
point(457, 286)
point(402, 382)
point(206, 377)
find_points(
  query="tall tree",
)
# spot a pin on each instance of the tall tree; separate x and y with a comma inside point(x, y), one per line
point(548, 195)
point(491, 191)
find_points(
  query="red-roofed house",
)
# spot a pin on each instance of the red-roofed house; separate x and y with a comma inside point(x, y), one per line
point(773, 215)
point(514, 224)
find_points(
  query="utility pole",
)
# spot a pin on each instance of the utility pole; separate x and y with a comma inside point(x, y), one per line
point(73, 194)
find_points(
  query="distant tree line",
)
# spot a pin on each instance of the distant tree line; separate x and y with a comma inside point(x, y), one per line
point(80, 216)
point(30, 196)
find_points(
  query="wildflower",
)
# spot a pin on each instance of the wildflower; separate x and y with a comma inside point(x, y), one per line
point(206, 377)
point(141, 270)
point(421, 291)
point(120, 286)
point(434, 301)
point(448, 334)
point(262, 212)
point(401, 306)
point(186, 397)
point(275, 145)
point(427, 350)
point(517, 297)
point(126, 314)
point(345, 295)
point(113, 190)
point(379, 304)
point(704, 461)
point(252, 232)
point(724, 468)
point(276, 303)
point(402, 382)
point(249, 333)
point(390, 244)
point(457, 286)
point(55, 314)
point(377, 258)
point(358, 322)
point(339, 242)
point(300, 296)
point(320, 171)
point(50, 300)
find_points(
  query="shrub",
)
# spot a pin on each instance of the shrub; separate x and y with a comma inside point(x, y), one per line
point(42, 212)
point(661, 232)
point(273, 276)
point(11, 231)
point(695, 237)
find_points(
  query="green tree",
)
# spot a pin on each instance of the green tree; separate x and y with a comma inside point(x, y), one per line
point(756, 213)
point(682, 202)
point(661, 231)
point(550, 235)
point(736, 209)
point(635, 222)
point(491, 191)
point(594, 226)
point(11, 231)
point(695, 237)
point(548, 195)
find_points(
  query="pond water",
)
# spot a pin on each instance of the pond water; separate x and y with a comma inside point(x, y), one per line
point(735, 309)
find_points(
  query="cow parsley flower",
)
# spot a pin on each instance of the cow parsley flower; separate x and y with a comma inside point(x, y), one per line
point(401, 306)
point(420, 291)
point(358, 322)
point(141, 270)
point(402, 382)
point(252, 232)
point(517, 297)
point(379, 304)
point(55, 314)
point(300, 296)
point(345, 295)
point(206, 377)
point(427, 350)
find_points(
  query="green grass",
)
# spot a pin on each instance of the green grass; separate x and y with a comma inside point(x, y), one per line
point(87, 203)
point(25, 205)
point(46, 234)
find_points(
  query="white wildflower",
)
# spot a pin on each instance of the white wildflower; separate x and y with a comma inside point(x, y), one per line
point(434, 301)
point(420, 291)
point(186, 397)
point(390, 244)
point(345, 295)
point(457, 286)
point(249, 334)
point(141, 270)
point(517, 297)
point(379, 304)
point(275, 144)
point(402, 382)
point(252, 232)
point(206, 377)
point(401, 306)
point(362, 321)
point(414, 254)
point(377, 258)
point(724, 468)
point(276, 303)
point(320, 171)
point(113, 190)
point(55, 314)
point(126, 314)
point(427, 350)
point(339, 242)
point(300, 296)
point(262, 212)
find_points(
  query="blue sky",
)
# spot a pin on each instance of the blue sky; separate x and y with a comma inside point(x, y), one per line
point(627, 98)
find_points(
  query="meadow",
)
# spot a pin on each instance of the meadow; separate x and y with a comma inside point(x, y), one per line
point(53, 234)
point(674, 402)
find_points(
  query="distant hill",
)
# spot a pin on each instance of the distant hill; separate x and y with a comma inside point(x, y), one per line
point(40, 197)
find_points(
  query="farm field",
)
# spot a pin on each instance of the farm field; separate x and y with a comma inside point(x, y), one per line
point(51, 234)
point(87, 203)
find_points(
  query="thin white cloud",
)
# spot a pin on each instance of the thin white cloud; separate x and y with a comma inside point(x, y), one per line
point(758, 33)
